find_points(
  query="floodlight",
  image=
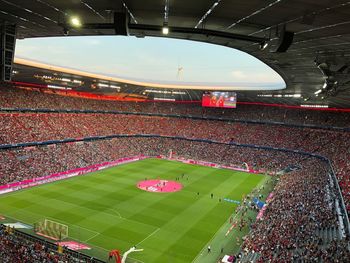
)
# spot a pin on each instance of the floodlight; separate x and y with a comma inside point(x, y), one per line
point(165, 29)
point(264, 45)
point(75, 21)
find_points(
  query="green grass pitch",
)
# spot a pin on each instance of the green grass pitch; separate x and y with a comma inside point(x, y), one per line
point(107, 211)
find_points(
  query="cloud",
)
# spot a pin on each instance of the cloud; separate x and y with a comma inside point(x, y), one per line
point(238, 74)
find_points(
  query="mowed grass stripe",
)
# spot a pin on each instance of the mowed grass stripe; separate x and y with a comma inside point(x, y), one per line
point(192, 236)
point(107, 210)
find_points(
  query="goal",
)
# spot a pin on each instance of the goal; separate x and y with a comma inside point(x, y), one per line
point(51, 229)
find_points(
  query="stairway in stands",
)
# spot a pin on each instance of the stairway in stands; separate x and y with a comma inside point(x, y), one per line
point(249, 257)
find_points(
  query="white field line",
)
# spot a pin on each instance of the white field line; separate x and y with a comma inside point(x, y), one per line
point(69, 224)
point(117, 214)
point(131, 250)
point(61, 221)
point(136, 260)
point(116, 211)
point(203, 249)
point(19, 211)
point(94, 210)
point(19, 221)
point(109, 251)
point(155, 231)
point(114, 214)
point(102, 248)
point(87, 240)
point(95, 233)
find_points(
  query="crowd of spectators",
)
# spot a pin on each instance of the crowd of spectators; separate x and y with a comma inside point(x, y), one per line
point(301, 201)
point(24, 98)
point(19, 248)
point(31, 127)
point(299, 208)
point(30, 162)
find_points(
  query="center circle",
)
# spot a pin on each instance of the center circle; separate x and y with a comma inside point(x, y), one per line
point(159, 186)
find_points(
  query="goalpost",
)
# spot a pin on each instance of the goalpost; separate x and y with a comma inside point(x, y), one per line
point(51, 229)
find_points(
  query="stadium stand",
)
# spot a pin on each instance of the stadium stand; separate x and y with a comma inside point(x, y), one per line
point(24, 98)
point(302, 223)
point(52, 122)
point(28, 127)
point(290, 219)
point(41, 161)
point(19, 247)
point(288, 230)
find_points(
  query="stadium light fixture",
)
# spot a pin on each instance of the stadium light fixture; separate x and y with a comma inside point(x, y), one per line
point(207, 13)
point(318, 92)
point(165, 29)
point(75, 21)
point(325, 85)
point(264, 45)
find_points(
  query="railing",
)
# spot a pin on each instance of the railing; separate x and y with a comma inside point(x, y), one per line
point(344, 213)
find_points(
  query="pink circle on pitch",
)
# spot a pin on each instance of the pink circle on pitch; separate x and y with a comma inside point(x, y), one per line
point(159, 186)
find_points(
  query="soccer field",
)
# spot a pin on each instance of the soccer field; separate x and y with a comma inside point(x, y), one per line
point(106, 210)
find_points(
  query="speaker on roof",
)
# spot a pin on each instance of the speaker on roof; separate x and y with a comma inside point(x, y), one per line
point(121, 23)
point(285, 39)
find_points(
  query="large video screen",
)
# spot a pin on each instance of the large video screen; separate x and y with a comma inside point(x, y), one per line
point(218, 99)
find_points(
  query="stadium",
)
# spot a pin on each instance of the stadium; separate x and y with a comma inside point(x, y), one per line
point(103, 167)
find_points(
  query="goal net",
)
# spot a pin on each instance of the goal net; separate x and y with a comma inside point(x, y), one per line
point(51, 229)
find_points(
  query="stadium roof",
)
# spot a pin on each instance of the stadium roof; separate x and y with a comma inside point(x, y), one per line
point(320, 50)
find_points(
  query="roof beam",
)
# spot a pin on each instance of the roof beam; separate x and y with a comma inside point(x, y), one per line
point(179, 30)
point(207, 13)
point(198, 31)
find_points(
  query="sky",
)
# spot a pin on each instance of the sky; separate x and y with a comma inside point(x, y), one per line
point(151, 59)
